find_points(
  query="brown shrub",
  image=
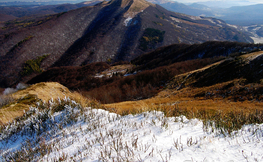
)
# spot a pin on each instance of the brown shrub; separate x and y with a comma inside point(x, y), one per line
point(74, 78)
point(144, 84)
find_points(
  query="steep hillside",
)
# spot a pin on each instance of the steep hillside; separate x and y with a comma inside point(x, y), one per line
point(155, 70)
point(109, 31)
point(231, 85)
point(236, 78)
point(181, 52)
point(51, 35)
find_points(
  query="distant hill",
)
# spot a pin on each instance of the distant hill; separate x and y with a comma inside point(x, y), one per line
point(236, 15)
point(4, 17)
point(194, 9)
point(244, 15)
point(199, 6)
point(18, 10)
point(226, 4)
point(109, 31)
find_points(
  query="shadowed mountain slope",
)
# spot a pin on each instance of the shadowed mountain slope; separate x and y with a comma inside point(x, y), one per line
point(109, 31)
point(74, 77)
point(181, 52)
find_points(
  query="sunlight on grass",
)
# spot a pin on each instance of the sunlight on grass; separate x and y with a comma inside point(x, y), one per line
point(43, 92)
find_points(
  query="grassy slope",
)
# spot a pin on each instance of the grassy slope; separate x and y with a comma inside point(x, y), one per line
point(186, 93)
point(226, 85)
point(40, 92)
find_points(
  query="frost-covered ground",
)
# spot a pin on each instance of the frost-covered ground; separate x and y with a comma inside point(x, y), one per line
point(98, 135)
point(257, 39)
point(253, 31)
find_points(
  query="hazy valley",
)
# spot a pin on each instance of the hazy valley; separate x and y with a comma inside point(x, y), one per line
point(246, 18)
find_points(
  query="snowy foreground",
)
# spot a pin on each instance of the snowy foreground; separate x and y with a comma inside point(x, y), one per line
point(97, 135)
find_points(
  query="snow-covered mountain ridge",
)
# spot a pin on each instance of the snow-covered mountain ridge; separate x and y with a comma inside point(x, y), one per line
point(74, 133)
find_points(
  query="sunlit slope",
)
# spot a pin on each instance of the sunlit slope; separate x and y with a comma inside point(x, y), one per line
point(233, 84)
point(40, 92)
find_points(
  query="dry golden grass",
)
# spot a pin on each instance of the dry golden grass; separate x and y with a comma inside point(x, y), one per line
point(194, 98)
point(226, 112)
point(138, 6)
point(121, 67)
point(184, 103)
point(45, 91)
point(253, 55)
point(9, 113)
point(39, 92)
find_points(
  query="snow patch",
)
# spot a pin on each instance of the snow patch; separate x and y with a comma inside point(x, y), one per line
point(127, 21)
point(257, 39)
point(210, 20)
point(195, 17)
point(253, 31)
point(99, 76)
point(175, 19)
point(257, 28)
point(233, 26)
point(220, 22)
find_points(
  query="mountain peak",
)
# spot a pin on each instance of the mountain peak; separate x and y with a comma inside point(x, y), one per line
point(139, 5)
point(132, 7)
